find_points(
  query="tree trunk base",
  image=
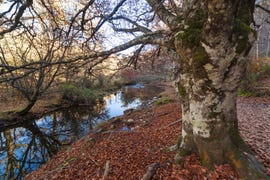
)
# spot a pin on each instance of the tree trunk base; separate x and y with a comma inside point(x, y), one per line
point(181, 154)
point(246, 164)
point(240, 158)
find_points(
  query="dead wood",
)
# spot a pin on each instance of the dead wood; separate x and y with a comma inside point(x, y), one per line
point(150, 171)
point(171, 124)
point(107, 170)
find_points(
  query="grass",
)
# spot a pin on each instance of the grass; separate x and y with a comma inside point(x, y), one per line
point(163, 100)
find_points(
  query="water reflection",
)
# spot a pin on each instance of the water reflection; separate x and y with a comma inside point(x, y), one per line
point(116, 104)
point(25, 148)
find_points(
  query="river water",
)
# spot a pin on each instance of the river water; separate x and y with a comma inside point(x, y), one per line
point(24, 149)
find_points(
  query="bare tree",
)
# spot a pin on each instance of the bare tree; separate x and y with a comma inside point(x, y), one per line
point(46, 38)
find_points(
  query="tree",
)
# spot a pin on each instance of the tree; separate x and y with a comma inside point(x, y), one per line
point(211, 40)
point(37, 38)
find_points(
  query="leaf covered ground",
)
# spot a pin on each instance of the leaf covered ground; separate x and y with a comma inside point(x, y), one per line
point(130, 144)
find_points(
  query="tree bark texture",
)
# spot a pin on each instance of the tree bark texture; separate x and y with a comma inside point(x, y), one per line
point(212, 48)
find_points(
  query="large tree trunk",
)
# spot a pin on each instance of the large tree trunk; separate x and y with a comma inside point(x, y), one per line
point(212, 51)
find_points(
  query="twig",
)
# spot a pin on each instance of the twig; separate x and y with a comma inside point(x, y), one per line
point(106, 171)
point(93, 161)
point(109, 137)
point(112, 131)
point(150, 171)
point(164, 114)
point(172, 123)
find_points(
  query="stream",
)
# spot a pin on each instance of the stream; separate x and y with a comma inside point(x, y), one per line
point(24, 149)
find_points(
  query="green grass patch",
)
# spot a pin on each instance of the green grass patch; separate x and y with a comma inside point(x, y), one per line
point(77, 94)
point(163, 100)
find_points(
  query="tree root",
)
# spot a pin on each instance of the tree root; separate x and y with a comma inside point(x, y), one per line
point(238, 155)
point(150, 171)
point(180, 156)
point(246, 165)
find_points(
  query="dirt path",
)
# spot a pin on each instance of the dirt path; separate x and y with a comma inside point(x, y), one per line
point(133, 142)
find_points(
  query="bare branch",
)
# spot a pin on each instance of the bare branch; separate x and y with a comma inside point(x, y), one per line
point(168, 18)
point(105, 19)
point(18, 16)
point(262, 8)
point(137, 27)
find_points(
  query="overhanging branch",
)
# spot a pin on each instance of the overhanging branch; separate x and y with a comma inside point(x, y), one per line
point(157, 38)
point(263, 8)
point(168, 18)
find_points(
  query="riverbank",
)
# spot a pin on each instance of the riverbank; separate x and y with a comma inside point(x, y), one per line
point(138, 144)
point(48, 103)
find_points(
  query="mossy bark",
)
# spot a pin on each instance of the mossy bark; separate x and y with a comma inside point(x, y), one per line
point(212, 50)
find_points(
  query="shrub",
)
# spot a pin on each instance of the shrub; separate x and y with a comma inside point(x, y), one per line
point(256, 72)
point(85, 82)
point(76, 95)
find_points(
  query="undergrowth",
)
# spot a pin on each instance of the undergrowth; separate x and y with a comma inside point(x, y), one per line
point(256, 72)
point(76, 94)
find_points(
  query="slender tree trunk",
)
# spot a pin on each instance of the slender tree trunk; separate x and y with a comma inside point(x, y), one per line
point(27, 108)
point(212, 50)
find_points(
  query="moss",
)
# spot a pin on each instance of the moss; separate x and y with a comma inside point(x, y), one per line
point(179, 141)
point(179, 157)
point(245, 11)
point(242, 29)
point(213, 115)
point(242, 93)
point(200, 58)
point(182, 91)
point(191, 36)
point(243, 32)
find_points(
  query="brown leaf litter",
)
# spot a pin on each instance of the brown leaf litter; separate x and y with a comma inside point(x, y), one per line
point(127, 146)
